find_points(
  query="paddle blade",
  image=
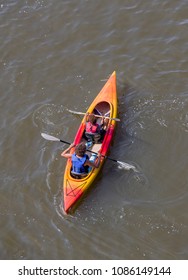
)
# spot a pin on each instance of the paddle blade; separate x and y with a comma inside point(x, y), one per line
point(126, 166)
point(49, 137)
point(75, 112)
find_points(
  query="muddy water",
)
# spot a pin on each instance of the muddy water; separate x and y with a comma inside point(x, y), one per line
point(57, 55)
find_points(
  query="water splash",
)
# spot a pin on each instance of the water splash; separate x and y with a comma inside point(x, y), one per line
point(137, 172)
point(126, 166)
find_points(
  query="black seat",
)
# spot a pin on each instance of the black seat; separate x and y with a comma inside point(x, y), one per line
point(78, 175)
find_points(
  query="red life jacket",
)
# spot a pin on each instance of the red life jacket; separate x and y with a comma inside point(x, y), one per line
point(92, 128)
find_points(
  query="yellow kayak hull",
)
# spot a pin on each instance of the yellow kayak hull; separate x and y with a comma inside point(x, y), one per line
point(105, 103)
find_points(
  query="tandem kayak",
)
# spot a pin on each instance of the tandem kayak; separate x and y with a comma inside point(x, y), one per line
point(105, 104)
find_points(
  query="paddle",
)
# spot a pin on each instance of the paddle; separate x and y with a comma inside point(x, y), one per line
point(98, 116)
point(122, 164)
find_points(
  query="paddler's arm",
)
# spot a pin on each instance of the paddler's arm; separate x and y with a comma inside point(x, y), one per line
point(104, 123)
point(86, 117)
point(66, 153)
point(94, 164)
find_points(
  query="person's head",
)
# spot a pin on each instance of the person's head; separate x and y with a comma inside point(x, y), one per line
point(92, 119)
point(80, 149)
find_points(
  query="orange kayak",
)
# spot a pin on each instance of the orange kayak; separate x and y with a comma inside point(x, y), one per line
point(105, 104)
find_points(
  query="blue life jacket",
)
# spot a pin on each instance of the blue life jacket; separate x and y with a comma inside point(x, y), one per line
point(78, 164)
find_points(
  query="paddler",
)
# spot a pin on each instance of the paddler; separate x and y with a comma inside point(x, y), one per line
point(80, 160)
point(94, 132)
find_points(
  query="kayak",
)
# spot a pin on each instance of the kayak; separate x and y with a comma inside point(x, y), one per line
point(105, 104)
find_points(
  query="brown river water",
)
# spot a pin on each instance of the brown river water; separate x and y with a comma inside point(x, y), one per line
point(57, 54)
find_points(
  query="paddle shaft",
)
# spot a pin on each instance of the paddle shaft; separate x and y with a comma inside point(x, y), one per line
point(52, 138)
point(97, 116)
point(64, 142)
point(68, 143)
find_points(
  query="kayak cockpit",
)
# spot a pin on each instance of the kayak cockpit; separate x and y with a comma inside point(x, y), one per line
point(101, 109)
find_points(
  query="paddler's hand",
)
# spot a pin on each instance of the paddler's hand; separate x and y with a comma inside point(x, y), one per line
point(102, 120)
point(99, 155)
point(98, 159)
point(71, 145)
point(66, 153)
point(86, 116)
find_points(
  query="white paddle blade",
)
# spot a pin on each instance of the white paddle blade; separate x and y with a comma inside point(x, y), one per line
point(126, 166)
point(49, 137)
point(75, 112)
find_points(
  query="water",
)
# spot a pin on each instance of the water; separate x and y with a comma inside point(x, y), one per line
point(57, 55)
